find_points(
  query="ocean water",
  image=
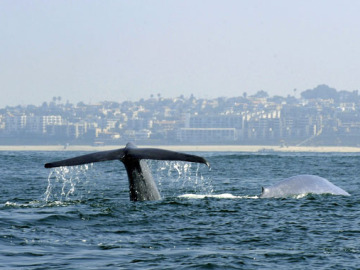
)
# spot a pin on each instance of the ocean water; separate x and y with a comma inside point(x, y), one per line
point(81, 217)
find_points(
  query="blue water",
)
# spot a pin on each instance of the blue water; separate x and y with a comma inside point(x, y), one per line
point(81, 218)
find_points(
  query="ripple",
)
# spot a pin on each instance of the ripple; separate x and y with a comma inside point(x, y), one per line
point(216, 196)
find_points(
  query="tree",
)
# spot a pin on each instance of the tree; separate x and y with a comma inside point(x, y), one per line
point(320, 92)
point(44, 105)
point(261, 94)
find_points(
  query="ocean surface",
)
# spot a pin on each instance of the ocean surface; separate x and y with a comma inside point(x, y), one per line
point(81, 217)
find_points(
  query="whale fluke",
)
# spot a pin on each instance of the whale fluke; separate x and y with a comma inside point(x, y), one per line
point(89, 158)
point(141, 184)
point(160, 154)
point(302, 184)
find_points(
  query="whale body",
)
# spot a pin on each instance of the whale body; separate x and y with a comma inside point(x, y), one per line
point(302, 184)
point(142, 186)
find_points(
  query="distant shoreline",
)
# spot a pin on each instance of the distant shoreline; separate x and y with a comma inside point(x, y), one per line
point(189, 148)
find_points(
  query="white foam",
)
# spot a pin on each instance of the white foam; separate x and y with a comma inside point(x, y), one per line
point(11, 204)
point(217, 196)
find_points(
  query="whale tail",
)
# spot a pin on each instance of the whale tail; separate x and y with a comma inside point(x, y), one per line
point(129, 152)
point(141, 184)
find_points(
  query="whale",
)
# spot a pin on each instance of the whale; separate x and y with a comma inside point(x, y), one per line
point(302, 185)
point(142, 186)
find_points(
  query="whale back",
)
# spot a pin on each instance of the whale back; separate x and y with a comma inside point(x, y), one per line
point(302, 184)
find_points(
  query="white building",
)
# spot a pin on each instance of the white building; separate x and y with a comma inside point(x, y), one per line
point(15, 123)
point(41, 124)
point(207, 135)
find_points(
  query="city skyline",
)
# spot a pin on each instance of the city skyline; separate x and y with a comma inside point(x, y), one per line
point(294, 94)
point(126, 50)
point(322, 116)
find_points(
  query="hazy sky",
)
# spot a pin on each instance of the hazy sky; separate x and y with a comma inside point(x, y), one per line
point(124, 50)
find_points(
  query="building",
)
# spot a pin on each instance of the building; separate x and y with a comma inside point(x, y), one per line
point(207, 135)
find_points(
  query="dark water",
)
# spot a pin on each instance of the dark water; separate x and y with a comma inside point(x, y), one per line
point(82, 218)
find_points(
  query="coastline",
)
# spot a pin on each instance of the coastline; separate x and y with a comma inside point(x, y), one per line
point(189, 148)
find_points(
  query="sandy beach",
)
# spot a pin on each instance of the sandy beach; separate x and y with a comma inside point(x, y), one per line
point(187, 148)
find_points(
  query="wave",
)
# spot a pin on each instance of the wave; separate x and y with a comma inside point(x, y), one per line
point(217, 196)
point(231, 196)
